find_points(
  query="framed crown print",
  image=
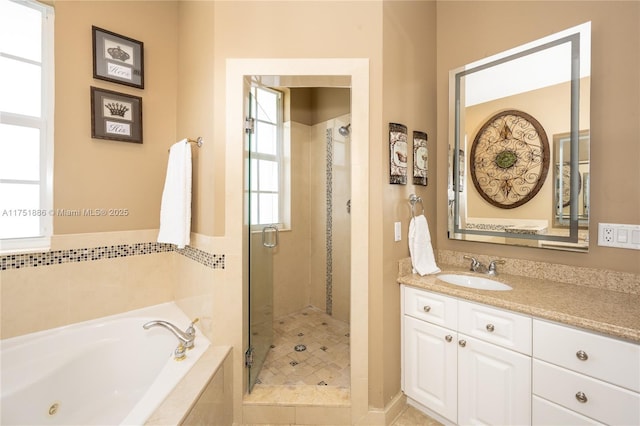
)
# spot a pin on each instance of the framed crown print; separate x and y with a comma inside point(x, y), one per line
point(117, 58)
point(116, 116)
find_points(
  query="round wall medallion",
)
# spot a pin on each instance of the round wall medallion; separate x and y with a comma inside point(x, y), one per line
point(509, 159)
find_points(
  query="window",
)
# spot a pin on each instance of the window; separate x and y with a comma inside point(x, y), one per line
point(268, 188)
point(26, 125)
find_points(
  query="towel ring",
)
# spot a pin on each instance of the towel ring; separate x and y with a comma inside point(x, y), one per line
point(413, 200)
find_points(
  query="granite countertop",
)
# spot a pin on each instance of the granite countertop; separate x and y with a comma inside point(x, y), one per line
point(609, 312)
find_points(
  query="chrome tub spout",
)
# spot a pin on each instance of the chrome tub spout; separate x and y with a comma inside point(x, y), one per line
point(186, 338)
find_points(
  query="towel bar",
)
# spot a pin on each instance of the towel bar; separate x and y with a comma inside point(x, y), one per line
point(197, 141)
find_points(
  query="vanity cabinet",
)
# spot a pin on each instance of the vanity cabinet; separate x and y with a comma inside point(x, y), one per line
point(583, 378)
point(466, 362)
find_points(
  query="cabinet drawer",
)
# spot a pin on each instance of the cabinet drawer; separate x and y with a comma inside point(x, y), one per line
point(547, 413)
point(597, 356)
point(507, 329)
point(436, 309)
point(600, 400)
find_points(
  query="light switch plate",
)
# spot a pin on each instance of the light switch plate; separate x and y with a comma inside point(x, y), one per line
point(619, 235)
point(397, 231)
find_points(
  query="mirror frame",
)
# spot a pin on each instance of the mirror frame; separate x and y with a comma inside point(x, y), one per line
point(573, 36)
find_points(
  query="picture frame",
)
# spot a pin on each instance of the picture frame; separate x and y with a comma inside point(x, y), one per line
point(117, 58)
point(116, 116)
point(397, 154)
point(420, 158)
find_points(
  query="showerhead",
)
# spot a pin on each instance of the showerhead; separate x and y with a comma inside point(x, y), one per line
point(345, 130)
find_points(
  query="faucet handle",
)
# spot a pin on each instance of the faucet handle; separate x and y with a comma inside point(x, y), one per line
point(191, 332)
point(179, 353)
point(492, 266)
point(474, 262)
point(191, 328)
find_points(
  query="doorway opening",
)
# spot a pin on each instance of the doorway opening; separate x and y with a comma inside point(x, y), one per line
point(338, 72)
point(298, 180)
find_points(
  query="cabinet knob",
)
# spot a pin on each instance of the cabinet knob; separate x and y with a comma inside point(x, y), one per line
point(462, 343)
point(581, 397)
point(426, 308)
point(448, 338)
point(582, 355)
point(490, 328)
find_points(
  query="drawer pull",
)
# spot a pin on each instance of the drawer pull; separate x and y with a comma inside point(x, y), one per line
point(581, 397)
point(462, 343)
point(448, 338)
point(426, 308)
point(582, 355)
point(490, 328)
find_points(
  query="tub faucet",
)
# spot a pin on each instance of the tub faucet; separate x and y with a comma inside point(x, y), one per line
point(186, 337)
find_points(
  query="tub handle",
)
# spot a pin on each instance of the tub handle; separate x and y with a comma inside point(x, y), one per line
point(191, 331)
point(180, 353)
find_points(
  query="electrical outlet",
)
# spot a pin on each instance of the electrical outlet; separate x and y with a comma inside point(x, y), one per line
point(619, 235)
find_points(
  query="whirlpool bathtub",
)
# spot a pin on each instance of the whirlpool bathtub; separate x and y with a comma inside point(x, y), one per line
point(107, 371)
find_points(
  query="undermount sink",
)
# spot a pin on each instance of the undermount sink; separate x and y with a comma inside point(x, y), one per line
point(470, 281)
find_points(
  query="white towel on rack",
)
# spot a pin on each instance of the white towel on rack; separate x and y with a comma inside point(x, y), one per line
point(420, 248)
point(175, 210)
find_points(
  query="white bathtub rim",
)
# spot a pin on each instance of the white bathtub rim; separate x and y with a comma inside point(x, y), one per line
point(158, 392)
point(55, 355)
point(172, 371)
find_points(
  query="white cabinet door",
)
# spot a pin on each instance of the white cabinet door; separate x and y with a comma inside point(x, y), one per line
point(494, 384)
point(430, 366)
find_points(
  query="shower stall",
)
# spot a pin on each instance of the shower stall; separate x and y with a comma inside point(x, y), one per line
point(299, 267)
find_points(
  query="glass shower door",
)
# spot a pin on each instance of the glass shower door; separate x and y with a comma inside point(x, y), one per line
point(262, 240)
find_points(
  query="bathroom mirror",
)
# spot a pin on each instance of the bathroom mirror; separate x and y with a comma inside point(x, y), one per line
point(519, 145)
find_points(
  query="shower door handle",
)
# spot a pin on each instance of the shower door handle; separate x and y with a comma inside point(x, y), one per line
point(264, 236)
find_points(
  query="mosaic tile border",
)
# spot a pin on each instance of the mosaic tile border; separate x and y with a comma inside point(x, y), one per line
point(56, 257)
point(329, 224)
point(215, 261)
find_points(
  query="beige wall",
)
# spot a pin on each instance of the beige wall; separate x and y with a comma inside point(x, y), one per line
point(470, 30)
point(96, 173)
point(408, 97)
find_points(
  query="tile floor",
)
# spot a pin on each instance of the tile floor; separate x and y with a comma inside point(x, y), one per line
point(319, 373)
point(409, 417)
point(310, 348)
point(412, 417)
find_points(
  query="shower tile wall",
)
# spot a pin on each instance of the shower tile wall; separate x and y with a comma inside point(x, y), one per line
point(341, 222)
point(330, 222)
point(301, 274)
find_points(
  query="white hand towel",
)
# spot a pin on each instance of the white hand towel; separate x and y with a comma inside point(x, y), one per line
point(420, 247)
point(175, 211)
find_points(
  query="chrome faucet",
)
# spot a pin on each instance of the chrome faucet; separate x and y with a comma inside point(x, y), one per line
point(477, 266)
point(186, 338)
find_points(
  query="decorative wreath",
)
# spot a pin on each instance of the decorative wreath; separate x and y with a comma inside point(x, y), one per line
point(509, 159)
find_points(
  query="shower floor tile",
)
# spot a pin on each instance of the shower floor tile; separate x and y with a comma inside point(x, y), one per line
point(310, 348)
